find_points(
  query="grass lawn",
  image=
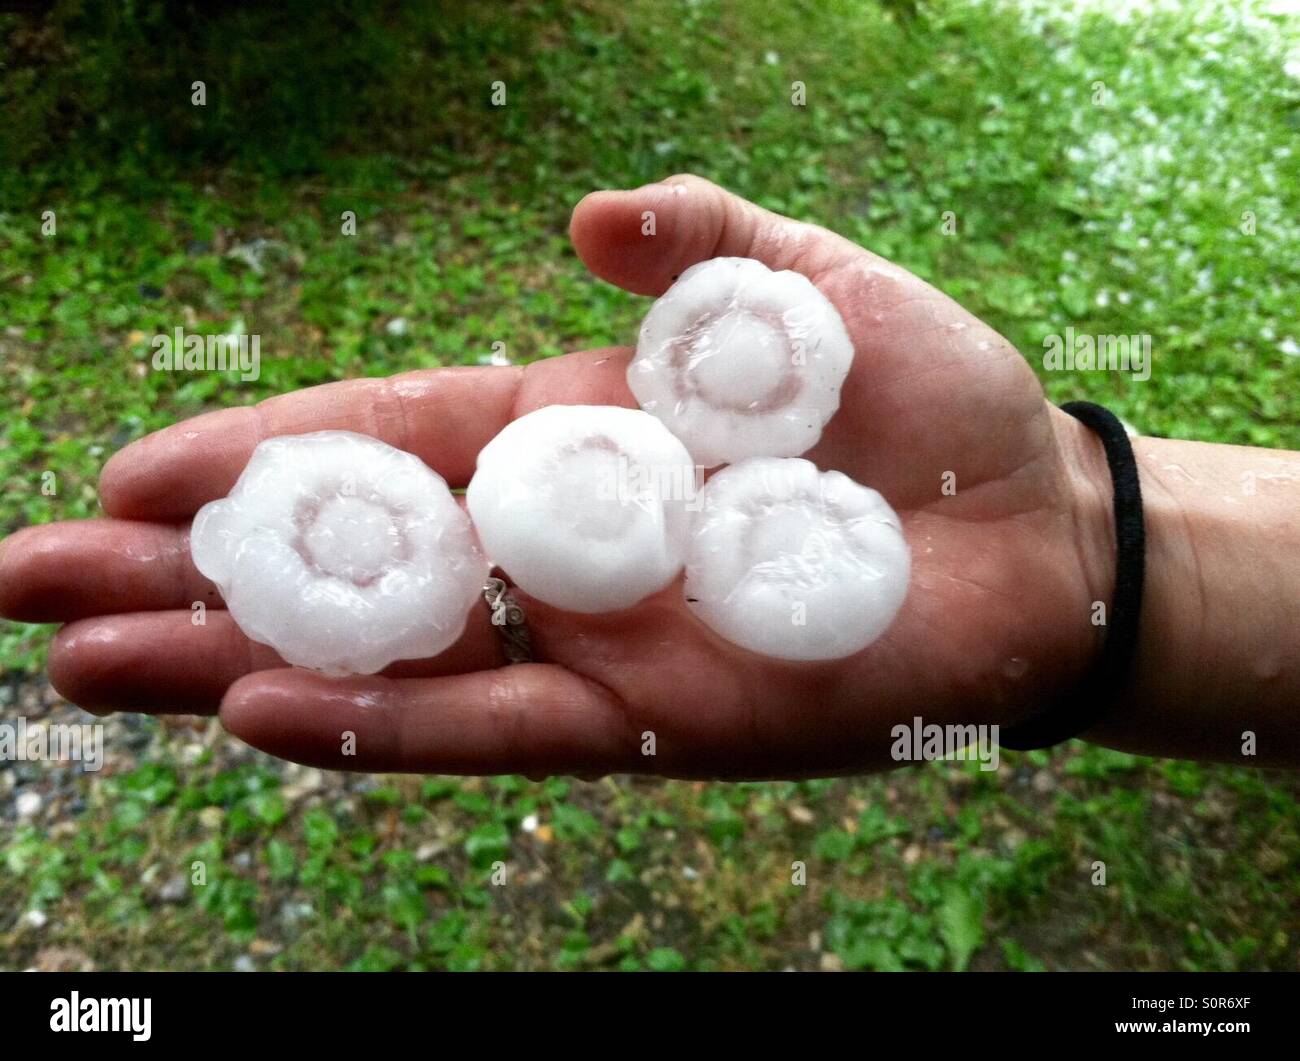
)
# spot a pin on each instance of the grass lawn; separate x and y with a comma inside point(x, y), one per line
point(1049, 166)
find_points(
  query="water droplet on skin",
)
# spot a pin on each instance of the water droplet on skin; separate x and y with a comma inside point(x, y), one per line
point(1178, 469)
point(1268, 669)
point(1016, 667)
point(1270, 476)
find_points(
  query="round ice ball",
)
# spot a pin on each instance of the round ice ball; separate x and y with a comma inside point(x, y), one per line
point(341, 553)
point(584, 506)
point(794, 563)
point(740, 361)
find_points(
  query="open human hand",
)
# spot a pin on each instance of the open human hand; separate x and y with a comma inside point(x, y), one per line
point(1007, 560)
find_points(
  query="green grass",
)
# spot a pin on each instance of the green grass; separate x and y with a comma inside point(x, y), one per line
point(1124, 217)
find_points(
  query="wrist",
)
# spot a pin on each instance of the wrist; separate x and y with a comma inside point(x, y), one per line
point(1217, 674)
point(1213, 676)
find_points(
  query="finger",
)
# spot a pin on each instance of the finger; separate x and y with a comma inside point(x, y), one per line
point(530, 718)
point(162, 663)
point(643, 239)
point(592, 377)
point(444, 416)
point(59, 572)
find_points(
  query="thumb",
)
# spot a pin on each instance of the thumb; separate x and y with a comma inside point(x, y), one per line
point(643, 239)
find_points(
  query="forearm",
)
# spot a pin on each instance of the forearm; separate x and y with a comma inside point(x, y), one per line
point(1218, 656)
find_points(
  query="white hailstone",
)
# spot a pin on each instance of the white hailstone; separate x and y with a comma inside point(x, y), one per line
point(584, 506)
point(341, 553)
point(740, 361)
point(794, 563)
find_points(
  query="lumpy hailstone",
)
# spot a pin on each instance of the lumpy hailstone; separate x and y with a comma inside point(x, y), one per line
point(794, 563)
point(341, 553)
point(584, 506)
point(740, 361)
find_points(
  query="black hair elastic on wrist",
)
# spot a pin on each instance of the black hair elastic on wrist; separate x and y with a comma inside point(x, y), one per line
point(1103, 682)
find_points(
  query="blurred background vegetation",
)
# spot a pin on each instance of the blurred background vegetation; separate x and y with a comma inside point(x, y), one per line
point(1118, 168)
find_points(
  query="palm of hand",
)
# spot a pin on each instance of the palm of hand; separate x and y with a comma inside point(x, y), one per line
point(939, 414)
point(946, 419)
